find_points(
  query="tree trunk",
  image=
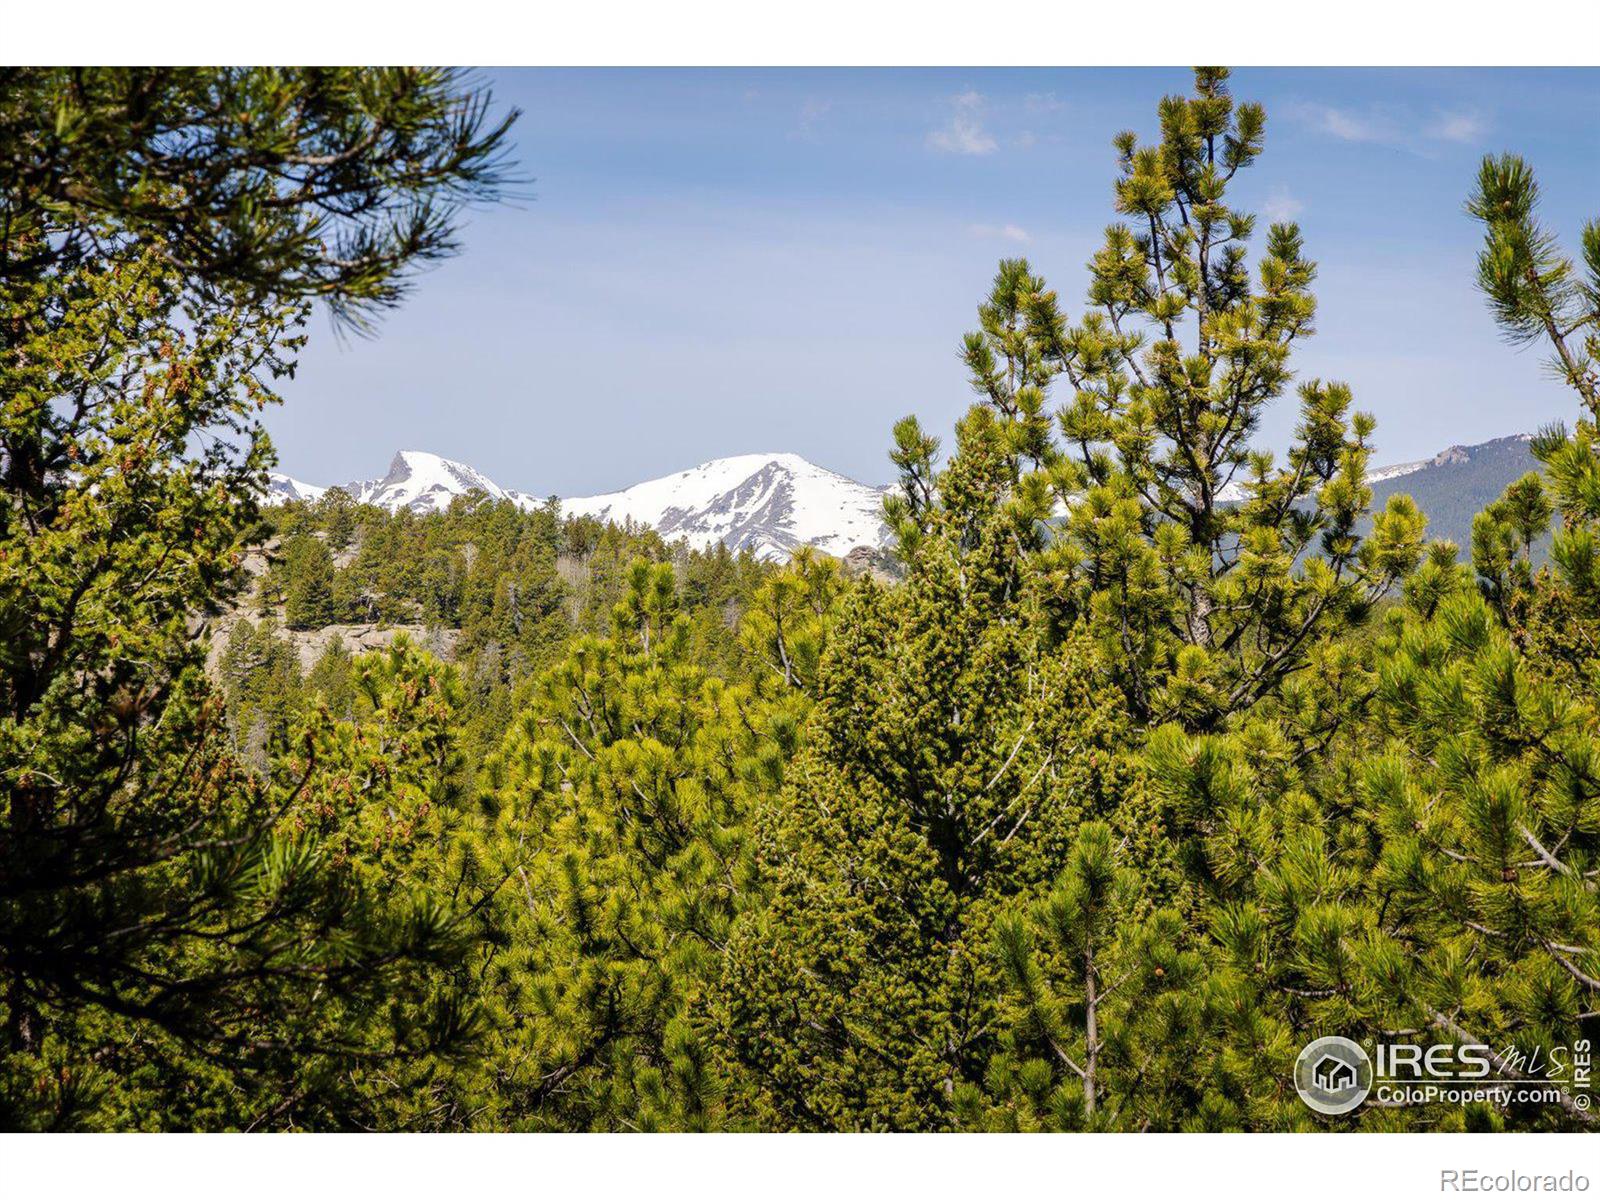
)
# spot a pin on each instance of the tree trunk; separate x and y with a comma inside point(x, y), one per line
point(1091, 1052)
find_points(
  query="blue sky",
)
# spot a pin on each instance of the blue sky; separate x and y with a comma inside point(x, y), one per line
point(717, 262)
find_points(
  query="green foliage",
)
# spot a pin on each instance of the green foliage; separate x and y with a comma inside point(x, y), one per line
point(1101, 1006)
point(335, 184)
point(1534, 290)
point(619, 807)
point(259, 678)
point(1423, 866)
point(299, 945)
point(308, 590)
point(161, 235)
point(957, 742)
point(1199, 600)
point(513, 587)
point(1489, 802)
point(1207, 574)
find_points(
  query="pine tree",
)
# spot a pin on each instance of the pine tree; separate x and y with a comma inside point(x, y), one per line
point(1277, 851)
point(337, 185)
point(309, 583)
point(260, 681)
point(1489, 793)
point(1141, 542)
point(957, 742)
point(1102, 1015)
point(1428, 871)
point(619, 807)
point(332, 679)
point(152, 287)
point(1209, 572)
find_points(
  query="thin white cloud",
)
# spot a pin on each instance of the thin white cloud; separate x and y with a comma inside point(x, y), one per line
point(1387, 126)
point(812, 111)
point(1007, 233)
point(1281, 205)
point(964, 133)
point(1043, 102)
point(1345, 124)
point(1458, 127)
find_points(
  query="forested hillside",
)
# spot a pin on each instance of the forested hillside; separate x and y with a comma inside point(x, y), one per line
point(1155, 758)
point(499, 591)
point(1457, 484)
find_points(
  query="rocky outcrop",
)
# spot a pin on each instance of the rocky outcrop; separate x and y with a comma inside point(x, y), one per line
point(311, 644)
point(871, 561)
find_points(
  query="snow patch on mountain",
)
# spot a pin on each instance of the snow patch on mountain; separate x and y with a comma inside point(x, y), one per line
point(1237, 491)
point(769, 503)
point(1379, 474)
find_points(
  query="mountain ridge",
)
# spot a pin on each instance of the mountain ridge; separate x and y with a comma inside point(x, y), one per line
point(774, 503)
point(1457, 483)
point(770, 504)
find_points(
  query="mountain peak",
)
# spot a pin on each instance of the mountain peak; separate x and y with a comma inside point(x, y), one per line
point(406, 461)
point(1456, 484)
point(773, 503)
point(1463, 454)
point(424, 482)
point(281, 489)
point(770, 504)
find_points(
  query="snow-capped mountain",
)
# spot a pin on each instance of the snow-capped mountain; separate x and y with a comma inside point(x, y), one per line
point(771, 503)
point(1451, 487)
point(281, 489)
point(774, 503)
point(1456, 484)
point(425, 482)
